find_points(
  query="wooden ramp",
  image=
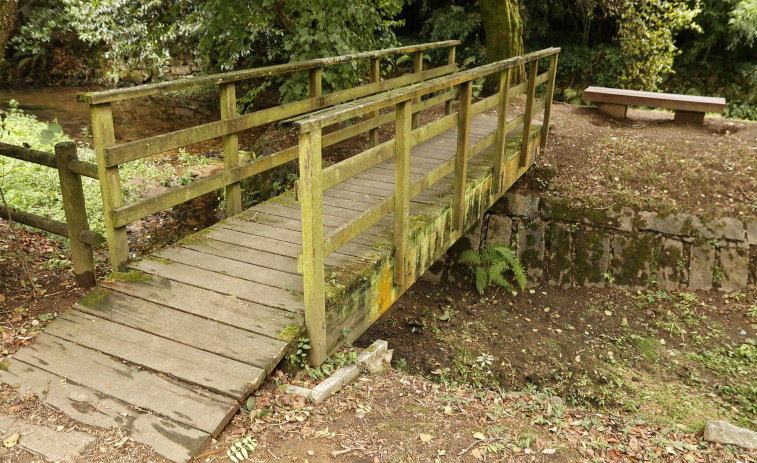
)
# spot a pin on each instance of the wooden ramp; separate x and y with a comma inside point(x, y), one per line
point(169, 350)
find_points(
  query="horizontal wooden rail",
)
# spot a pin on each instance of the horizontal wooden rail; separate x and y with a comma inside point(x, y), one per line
point(49, 225)
point(235, 76)
point(44, 158)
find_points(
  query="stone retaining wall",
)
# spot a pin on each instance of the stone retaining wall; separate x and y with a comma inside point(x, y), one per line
point(571, 245)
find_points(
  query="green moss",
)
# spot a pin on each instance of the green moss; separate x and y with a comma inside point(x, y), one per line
point(95, 297)
point(130, 276)
point(160, 260)
point(291, 333)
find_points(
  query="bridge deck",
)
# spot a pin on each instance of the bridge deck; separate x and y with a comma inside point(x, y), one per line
point(169, 351)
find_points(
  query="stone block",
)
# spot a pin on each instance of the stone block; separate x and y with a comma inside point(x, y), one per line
point(734, 268)
point(499, 229)
point(521, 205)
point(632, 256)
point(560, 259)
point(434, 273)
point(474, 234)
point(751, 232)
point(723, 227)
point(613, 111)
point(752, 278)
point(592, 256)
point(701, 265)
point(725, 433)
point(621, 218)
point(672, 224)
point(617, 217)
point(531, 251)
point(669, 264)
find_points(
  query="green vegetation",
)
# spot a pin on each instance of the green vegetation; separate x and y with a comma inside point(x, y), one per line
point(492, 265)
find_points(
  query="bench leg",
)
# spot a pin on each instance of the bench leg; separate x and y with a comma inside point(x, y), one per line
point(613, 111)
point(688, 117)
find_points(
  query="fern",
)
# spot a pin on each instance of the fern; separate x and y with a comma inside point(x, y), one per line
point(470, 257)
point(492, 265)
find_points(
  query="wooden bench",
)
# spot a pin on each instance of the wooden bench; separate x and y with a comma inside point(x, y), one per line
point(614, 102)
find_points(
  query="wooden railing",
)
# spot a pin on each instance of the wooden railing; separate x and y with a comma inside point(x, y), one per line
point(314, 179)
point(111, 154)
point(76, 229)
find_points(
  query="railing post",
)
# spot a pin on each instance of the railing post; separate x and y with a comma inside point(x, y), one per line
point(461, 157)
point(533, 68)
point(417, 67)
point(549, 96)
point(316, 82)
point(76, 214)
point(311, 201)
point(375, 76)
point(110, 183)
point(450, 60)
point(230, 148)
point(499, 157)
point(403, 126)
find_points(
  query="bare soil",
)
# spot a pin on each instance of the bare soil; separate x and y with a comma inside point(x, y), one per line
point(574, 375)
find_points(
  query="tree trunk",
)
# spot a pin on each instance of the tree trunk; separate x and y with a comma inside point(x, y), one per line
point(504, 33)
point(7, 20)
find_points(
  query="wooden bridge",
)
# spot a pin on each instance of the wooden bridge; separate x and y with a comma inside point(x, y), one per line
point(169, 347)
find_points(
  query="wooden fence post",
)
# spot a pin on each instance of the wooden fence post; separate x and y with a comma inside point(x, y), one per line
point(375, 76)
point(499, 157)
point(403, 127)
point(76, 214)
point(533, 69)
point(311, 201)
point(549, 96)
point(316, 82)
point(450, 60)
point(461, 157)
point(110, 183)
point(230, 148)
point(417, 67)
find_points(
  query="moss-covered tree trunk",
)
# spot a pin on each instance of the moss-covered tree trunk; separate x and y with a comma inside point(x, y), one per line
point(7, 19)
point(504, 32)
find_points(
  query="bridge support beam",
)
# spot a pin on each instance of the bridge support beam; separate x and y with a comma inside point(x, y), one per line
point(461, 156)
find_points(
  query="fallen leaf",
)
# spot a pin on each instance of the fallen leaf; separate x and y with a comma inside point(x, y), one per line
point(549, 451)
point(425, 437)
point(479, 436)
point(11, 440)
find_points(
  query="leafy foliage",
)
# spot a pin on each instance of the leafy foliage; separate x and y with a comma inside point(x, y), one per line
point(241, 449)
point(493, 265)
point(743, 23)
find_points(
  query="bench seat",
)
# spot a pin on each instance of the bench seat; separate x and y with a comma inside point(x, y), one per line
point(688, 109)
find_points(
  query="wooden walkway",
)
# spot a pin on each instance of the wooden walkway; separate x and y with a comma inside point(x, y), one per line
point(168, 351)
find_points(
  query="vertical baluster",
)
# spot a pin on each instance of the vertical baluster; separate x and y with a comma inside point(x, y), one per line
point(417, 67)
point(450, 60)
point(76, 214)
point(373, 134)
point(316, 82)
point(461, 157)
point(549, 96)
point(499, 158)
point(311, 201)
point(533, 67)
point(110, 183)
point(230, 148)
point(403, 127)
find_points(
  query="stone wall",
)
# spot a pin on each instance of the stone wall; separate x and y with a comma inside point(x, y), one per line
point(572, 245)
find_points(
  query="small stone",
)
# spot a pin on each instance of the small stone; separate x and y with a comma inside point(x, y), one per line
point(725, 433)
point(751, 232)
point(521, 205)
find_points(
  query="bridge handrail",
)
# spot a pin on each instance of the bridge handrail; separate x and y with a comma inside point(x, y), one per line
point(314, 179)
point(108, 96)
point(110, 154)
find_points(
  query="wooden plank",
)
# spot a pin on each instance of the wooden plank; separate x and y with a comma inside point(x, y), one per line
point(234, 76)
point(249, 255)
point(207, 304)
point(657, 100)
point(224, 284)
point(450, 60)
point(50, 444)
point(231, 267)
point(316, 81)
point(417, 67)
point(499, 145)
point(351, 229)
point(170, 439)
point(374, 76)
point(179, 402)
point(213, 372)
point(461, 156)
point(230, 147)
point(403, 126)
point(197, 332)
